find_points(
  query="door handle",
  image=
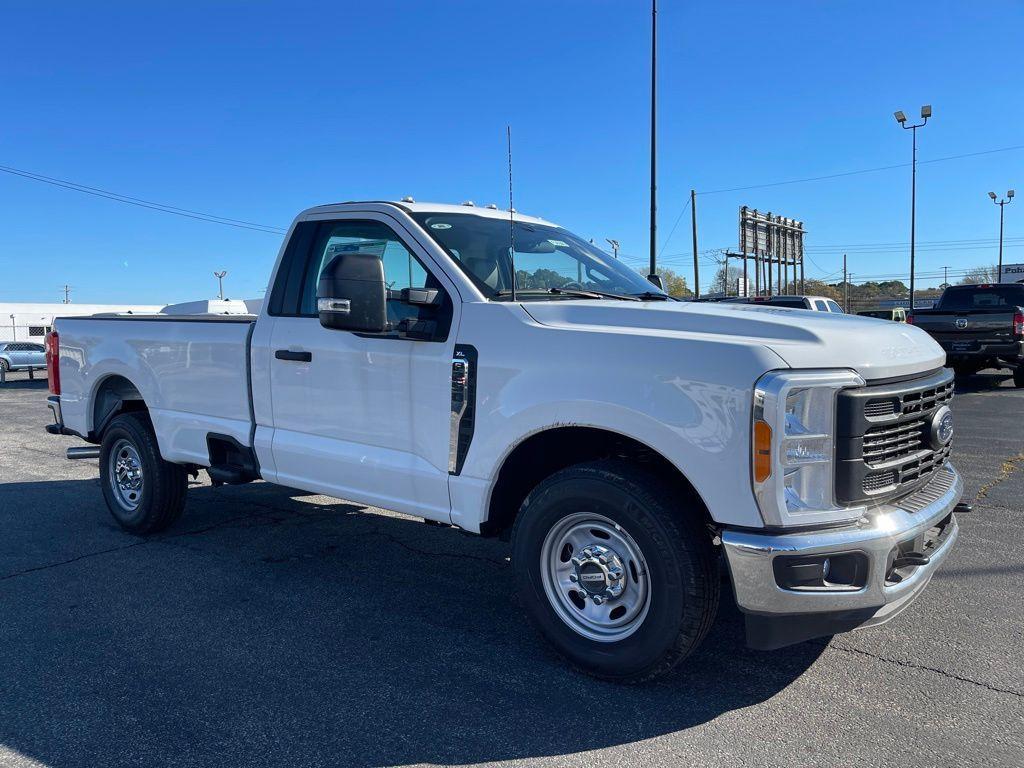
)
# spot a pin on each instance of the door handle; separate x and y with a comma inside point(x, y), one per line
point(298, 357)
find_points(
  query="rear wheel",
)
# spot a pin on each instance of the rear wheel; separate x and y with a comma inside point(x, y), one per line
point(622, 582)
point(144, 493)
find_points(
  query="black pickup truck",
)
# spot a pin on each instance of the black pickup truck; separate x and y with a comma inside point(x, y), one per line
point(979, 326)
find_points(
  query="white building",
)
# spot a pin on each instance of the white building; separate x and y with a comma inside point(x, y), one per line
point(30, 322)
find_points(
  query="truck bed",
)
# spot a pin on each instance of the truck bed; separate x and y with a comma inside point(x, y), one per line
point(192, 371)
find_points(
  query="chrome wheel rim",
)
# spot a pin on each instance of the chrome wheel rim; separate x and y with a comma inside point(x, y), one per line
point(595, 577)
point(125, 472)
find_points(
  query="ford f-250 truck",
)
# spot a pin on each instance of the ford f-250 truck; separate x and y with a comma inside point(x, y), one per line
point(979, 326)
point(626, 443)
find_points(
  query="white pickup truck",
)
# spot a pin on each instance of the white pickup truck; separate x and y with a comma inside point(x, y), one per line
point(627, 443)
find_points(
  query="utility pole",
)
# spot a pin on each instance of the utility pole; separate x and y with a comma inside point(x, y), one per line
point(926, 112)
point(220, 282)
point(653, 275)
point(1001, 204)
point(846, 288)
point(614, 244)
point(945, 275)
point(693, 223)
point(67, 293)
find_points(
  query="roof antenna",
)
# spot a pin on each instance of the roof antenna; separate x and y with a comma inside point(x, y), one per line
point(511, 214)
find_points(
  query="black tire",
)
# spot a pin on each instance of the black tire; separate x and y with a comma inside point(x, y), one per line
point(4, 365)
point(682, 567)
point(964, 371)
point(1018, 377)
point(161, 498)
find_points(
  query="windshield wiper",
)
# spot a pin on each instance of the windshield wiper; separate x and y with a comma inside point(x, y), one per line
point(579, 293)
point(652, 295)
point(590, 294)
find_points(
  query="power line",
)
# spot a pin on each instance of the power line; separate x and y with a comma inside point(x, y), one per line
point(128, 200)
point(674, 225)
point(861, 171)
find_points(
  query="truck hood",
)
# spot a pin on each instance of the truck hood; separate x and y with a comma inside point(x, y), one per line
point(876, 349)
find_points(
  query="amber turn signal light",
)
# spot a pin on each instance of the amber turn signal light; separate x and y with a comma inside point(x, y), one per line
point(762, 451)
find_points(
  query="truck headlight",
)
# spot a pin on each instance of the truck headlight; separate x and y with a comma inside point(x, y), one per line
point(793, 446)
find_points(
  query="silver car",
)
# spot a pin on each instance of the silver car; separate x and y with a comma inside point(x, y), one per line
point(21, 355)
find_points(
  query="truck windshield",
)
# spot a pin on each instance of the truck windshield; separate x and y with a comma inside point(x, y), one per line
point(982, 297)
point(545, 258)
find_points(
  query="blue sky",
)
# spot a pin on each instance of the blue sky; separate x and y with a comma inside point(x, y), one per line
point(256, 110)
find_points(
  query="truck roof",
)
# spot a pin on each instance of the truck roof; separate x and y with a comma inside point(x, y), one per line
point(409, 205)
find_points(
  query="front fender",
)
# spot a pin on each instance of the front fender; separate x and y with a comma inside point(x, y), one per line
point(688, 398)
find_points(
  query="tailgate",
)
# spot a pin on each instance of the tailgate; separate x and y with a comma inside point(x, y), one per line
point(968, 330)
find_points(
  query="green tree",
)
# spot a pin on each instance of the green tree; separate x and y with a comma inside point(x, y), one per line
point(675, 284)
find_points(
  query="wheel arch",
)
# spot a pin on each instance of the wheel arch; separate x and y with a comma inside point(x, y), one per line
point(549, 450)
point(113, 394)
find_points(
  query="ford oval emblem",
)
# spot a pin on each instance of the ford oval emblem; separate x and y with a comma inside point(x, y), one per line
point(940, 431)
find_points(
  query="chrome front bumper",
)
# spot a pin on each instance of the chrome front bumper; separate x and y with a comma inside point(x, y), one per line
point(778, 616)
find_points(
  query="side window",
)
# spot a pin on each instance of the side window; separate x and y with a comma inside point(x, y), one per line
point(833, 307)
point(401, 268)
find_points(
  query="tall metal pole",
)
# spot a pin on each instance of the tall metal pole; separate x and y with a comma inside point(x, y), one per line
point(913, 213)
point(693, 222)
point(846, 288)
point(1001, 203)
point(901, 118)
point(999, 274)
point(654, 140)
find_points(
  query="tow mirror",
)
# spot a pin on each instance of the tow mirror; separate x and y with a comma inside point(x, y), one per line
point(352, 295)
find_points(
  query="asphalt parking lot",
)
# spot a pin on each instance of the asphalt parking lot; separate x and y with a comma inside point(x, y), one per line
point(269, 627)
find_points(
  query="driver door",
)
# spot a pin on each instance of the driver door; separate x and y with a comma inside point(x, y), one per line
point(359, 416)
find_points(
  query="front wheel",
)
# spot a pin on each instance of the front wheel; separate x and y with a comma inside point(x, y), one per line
point(144, 493)
point(621, 581)
point(4, 365)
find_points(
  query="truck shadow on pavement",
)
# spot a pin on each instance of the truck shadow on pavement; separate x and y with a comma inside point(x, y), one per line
point(984, 381)
point(268, 627)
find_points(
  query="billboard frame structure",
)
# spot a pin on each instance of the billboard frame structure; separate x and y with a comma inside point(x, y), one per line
point(775, 244)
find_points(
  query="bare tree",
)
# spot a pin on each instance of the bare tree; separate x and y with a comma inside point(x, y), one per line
point(987, 274)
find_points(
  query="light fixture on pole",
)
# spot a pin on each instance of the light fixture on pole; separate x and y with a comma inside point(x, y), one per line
point(220, 282)
point(926, 112)
point(1001, 204)
point(615, 246)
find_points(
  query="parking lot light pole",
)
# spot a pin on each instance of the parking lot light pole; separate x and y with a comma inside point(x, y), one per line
point(1001, 203)
point(926, 112)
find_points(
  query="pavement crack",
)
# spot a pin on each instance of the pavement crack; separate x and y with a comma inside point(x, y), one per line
point(71, 560)
point(112, 550)
point(1008, 467)
point(923, 668)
